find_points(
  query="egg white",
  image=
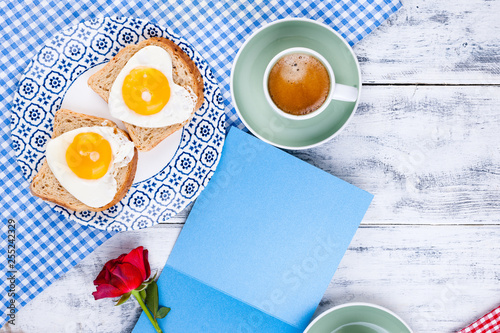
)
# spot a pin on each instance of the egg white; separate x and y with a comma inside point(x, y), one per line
point(180, 105)
point(92, 192)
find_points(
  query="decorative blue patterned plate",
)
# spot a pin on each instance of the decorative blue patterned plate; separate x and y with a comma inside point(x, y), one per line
point(170, 176)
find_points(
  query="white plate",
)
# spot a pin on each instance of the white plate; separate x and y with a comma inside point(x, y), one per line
point(170, 176)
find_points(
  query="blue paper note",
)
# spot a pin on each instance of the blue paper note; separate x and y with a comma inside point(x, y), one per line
point(267, 234)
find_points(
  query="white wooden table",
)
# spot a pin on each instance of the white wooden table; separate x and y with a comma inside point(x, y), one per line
point(425, 142)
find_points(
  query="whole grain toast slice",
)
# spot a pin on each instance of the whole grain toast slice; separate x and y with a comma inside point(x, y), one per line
point(185, 73)
point(46, 186)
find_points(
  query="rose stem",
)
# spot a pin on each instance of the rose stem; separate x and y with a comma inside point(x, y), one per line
point(146, 311)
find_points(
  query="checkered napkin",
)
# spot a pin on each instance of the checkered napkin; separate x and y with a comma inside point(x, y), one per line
point(47, 246)
point(490, 323)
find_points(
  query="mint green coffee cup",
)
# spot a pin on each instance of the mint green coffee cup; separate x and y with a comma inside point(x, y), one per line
point(358, 318)
point(248, 92)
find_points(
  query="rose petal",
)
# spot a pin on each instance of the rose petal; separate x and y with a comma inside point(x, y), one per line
point(139, 258)
point(101, 278)
point(126, 277)
point(104, 275)
point(146, 263)
point(120, 258)
point(105, 291)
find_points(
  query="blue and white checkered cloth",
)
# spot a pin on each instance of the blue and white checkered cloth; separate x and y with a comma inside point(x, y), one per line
point(48, 246)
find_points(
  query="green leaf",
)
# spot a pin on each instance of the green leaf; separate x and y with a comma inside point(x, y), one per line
point(123, 299)
point(141, 287)
point(143, 294)
point(162, 312)
point(151, 279)
point(152, 298)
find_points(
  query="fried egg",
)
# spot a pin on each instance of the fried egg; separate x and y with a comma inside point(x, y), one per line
point(144, 93)
point(86, 160)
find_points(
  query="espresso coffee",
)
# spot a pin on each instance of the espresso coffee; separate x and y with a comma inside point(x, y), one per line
point(298, 84)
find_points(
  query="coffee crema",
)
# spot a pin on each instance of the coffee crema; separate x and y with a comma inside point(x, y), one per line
point(298, 84)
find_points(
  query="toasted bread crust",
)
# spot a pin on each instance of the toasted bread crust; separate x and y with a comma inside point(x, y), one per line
point(159, 135)
point(185, 74)
point(60, 196)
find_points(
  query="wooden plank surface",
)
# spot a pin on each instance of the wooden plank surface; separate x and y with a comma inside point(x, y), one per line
point(429, 155)
point(437, 278)
point(435, 42)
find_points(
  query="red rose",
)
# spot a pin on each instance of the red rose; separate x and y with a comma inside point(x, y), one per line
point(122, 275)
point(128, 275)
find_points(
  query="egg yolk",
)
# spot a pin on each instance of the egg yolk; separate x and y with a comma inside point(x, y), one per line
point(89, 155)
point(145, 90)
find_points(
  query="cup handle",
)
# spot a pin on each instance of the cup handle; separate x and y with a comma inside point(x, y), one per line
point(345, 93)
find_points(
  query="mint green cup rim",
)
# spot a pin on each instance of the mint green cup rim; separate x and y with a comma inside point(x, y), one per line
point(232, 82)
point(323, 316)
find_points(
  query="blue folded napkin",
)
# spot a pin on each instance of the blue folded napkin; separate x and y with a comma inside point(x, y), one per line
point(260, 245)
point(47, 245)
